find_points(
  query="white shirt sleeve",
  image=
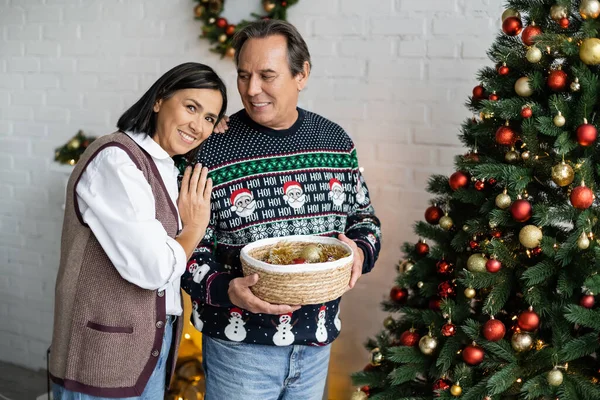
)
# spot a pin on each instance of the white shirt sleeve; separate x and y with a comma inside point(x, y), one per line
point(117, 203)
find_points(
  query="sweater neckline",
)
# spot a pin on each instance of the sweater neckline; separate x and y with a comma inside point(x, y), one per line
point(274, 132)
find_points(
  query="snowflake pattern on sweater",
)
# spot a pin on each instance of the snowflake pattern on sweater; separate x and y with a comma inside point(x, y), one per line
point(303, 180)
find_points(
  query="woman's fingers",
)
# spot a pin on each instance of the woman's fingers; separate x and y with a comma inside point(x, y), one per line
point(185, 182)
point(208, 190)
point(202, 182)
point(194, 178)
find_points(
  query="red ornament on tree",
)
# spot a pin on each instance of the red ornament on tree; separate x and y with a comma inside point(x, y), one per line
point(503, 70)
point(221, 22)
point(582, 197)
point(493, 330)
point(512, 26)
point(494, 97)
point(435, 304)
point(557, 80)
point(448, 329)
point(587, 301)
point(536, 251)
point(441, 384)
point(529, 320)
point(433, 214)
point(421, 248)
point(446, 289)
point(496, 234)
point(479, 185)
point(492, 265)
point(492, 181)
point(526, 112)
point(230, 30)
point(409, 338)
point(444, 267)
point(473, 354)
point(586, 134)
point(505, 135)
point(521, 210)
point(458, 180)
point(366, 390)
point(474, 244)
point(398, 294)
point(472, 156)
point(529, 34)
point(478, 93)
point(564, 22)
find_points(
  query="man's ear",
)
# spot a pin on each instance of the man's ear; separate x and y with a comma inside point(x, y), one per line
point(302, 77)
point(156, 107)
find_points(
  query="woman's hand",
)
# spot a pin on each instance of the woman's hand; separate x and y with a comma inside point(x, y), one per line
point(222, 126)
point(194, 206)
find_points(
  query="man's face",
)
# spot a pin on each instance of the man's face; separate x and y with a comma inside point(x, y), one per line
point(268, 90)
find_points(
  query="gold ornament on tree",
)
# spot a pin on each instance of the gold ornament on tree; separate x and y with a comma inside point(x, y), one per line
point(589, 51)
point(559, 120)
point(575, 85)
point(428, 344)
point(388, 322)
point(521, 341)
point(456, 390)
point(522, 87)
point(510, 12)
point(583, 242)
point(223, 38)
point(376, 357)
point(589, 9)
point(470, 293)
point(198, 11)
point(563, 174)
point(555, 377)
point(268, 6)
point(511, 156)
point(359, 395)
point(476, 263)
point(446, 222)
point(503, 200)
point(530, 236)
point(558, 12)
point(230, 52)
point(533, 55)
point(526, 155)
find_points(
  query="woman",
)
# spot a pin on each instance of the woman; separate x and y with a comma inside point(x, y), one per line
point(127, 236)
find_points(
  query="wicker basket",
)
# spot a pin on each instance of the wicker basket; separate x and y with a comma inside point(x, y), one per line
point(297, 284)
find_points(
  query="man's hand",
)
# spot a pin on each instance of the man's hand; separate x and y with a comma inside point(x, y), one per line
point(359, 258)
point(240, 295)
point(222, 126)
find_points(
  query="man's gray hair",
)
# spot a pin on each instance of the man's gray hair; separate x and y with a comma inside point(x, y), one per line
point(296, 46)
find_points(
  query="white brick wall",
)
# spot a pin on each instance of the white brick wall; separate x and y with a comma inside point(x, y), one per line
point(394, 73)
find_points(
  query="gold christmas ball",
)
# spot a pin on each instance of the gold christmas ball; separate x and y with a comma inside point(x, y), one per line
point(476, 263)
point(559, 120)
point(268, 6)
point(563, 174)
point(521, 341)
point(583, 242)
point(589, 9)
point(455, 390)
point(359, 395)
point(533, 55)
point(211, 20)
point(503, 201)
point(74, 144)
point(388, 322)
point(376, 357)
point(311, 253)
point(420, 284)
point(510, 12)
point(446, 222)
point(511, 156)
point(230, 52)
point(530, 236)
point(470, 293)
point(428, 344)
point(557, 12)
point(526, 155)
point(223, 38)
point(575, 85)
point(555, 377)
point(589, 51)
point(198, 11)
point(522, 87)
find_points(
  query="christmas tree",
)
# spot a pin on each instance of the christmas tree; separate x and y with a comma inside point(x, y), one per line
point(496, 300)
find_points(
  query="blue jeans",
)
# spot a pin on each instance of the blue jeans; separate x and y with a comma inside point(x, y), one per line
point(155, 388)
point(236, 370)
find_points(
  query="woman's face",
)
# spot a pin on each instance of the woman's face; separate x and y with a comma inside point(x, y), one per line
point(186, 119)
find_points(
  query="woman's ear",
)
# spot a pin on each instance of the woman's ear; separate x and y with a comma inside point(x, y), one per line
point(302, 77)
point(157, 105)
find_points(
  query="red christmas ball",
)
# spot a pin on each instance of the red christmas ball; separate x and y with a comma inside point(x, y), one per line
point(441, 384)
point(492, 265)
point(446, 289)
point(492, 181)
point(526, 112)
point(496, 234)
point(521, 210)
point(472, 156)
point(473, 354)
point(529, 34)
point(586, 134)
point(422, 248)
point(479, 185)
point(409, 338)
point(369, 367)
point(478, 92)
point(474, 244)
point(587, 301)
point(564, 22)
point(505, 135)
point(448, 329)
point(503, 70)
point(458, 180)
point(444, 267)
point(512, 26)
point(398, 294)
point(230, 30)
point(284, 4)
point(493, 330)
point(433, 214)
point(529, 320)
point(493, 97)
point(582, 197)
point(435, 303)
point(221, 22)
point(557, 80)
point(366, 390)
point(536, 251)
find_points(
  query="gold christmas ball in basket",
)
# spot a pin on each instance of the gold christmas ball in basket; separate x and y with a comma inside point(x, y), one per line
point(308, 279)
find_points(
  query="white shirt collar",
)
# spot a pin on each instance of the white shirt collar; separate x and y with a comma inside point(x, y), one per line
point(148, 144)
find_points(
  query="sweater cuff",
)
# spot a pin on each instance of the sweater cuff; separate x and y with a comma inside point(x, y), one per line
point(367, 249)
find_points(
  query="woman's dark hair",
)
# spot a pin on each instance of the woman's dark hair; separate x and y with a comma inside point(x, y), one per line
point(141, 118)
point(297, 49)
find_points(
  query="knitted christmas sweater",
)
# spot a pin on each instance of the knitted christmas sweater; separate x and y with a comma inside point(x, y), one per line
point(303, 180)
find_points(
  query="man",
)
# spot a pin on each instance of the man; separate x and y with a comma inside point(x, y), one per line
point(279, 170)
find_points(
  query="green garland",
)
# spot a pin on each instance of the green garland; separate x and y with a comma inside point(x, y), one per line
point(220, 32)
point(70, 152)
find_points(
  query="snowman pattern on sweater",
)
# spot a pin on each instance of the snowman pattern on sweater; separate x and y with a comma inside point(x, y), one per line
point(198, 324)
point(284, 335)
point(235, 331)
point(321, 334)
